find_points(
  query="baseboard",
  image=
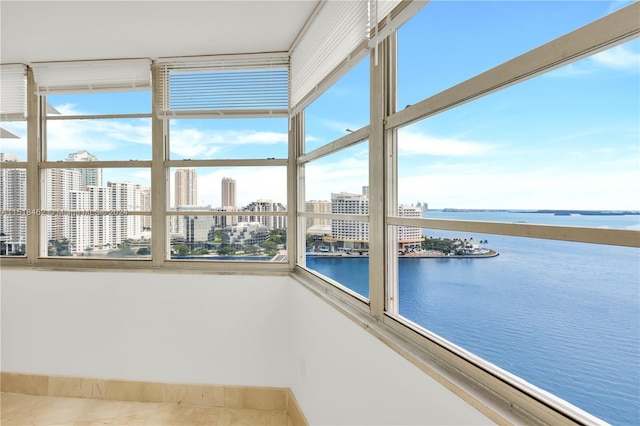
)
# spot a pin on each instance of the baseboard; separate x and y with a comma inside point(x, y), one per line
point(250, 397)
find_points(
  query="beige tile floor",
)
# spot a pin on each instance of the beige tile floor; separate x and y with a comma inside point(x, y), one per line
point(24, 410)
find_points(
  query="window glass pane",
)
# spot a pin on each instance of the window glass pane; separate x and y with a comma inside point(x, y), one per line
point(564, 143)
point(446, 42)
point(342, 108)
point(13, 204)
point(100, 103)
point(231, 188)
point(103, 139)
point(341, 254)
point(331, 180)
point(13, 140)
point(98, 235)
point(245, 237)
point(238, 138)
point(90, 213)
point(563, 316)
point(118, 191)
point(13, 233)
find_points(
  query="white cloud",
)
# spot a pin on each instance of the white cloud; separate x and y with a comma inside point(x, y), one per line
point(553, 188)
point(195, 143)
point(411, 142)
point(620, 57)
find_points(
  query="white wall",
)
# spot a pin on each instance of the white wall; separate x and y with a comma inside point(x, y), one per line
point(343, 375)
point(216, 329)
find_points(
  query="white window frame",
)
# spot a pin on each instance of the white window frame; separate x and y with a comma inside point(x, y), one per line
point(501, 396)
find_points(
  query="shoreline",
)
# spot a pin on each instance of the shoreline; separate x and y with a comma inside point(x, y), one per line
point(491, 253)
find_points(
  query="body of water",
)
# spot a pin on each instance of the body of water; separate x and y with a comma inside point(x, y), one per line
point(563, 316)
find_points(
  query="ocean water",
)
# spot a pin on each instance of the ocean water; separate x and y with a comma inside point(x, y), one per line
point(563, 316)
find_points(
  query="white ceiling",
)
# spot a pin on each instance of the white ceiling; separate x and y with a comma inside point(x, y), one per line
point(41, 31)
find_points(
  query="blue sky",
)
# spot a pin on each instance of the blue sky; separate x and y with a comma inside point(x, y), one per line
point(567, 140)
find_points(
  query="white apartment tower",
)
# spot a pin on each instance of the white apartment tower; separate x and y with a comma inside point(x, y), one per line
point(59, 184)
point(145, 204)
point(409, 237)
point(125, 197)
point(355, 234)
point(13, 191)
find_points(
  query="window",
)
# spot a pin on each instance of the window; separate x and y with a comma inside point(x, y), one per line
point(471, 203)
point(228, 213)
point(96, 168)
point(227, 155)
point(506, 228)
point(13, 157)
point(518, 186)
point(335, 182)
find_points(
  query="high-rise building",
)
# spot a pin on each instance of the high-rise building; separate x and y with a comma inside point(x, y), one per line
point(228, 200)
point(13, 196)
point(355, 234)
point(59, 184)
point(349, 233)
point(186, 187)
point(88, 177)
point(228, 192)
point(145, 204)
point(125, 197)
point(185, 194)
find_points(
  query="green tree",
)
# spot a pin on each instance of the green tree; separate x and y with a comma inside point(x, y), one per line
point(143, 251)
point(226, 251)
point(182, 250)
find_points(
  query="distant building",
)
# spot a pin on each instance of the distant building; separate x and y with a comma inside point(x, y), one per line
point(228, 192)
point(185, 194)
point(60, 183)
point(186, 187)
point(259, 206)
point(145, 204)
point(245, 234)
point(409, 238)
point(228, 200)
point(318, 206)
point(88, 177)
point(354, 235)
point(350, 234)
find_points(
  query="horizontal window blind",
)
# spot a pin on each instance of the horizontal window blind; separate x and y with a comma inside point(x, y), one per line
point(332, 43)
point(90, 76)
point(335, 33)
point(249, 85)
point(13, 92)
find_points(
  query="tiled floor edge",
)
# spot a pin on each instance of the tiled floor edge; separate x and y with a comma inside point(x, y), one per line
point(250, 397)
point(296, 416)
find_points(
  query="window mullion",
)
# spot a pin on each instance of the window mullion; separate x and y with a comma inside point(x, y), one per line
point(159, 193)
point(377, 265)
point(34, 125)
